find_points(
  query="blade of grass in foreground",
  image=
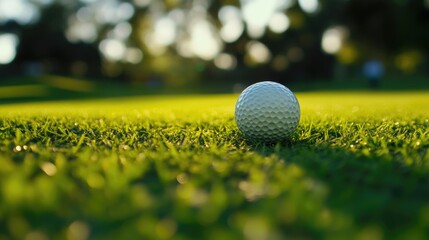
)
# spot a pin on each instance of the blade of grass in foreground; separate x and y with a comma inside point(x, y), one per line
point(177, 168)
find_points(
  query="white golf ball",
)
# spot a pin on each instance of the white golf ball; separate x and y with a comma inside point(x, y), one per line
point(267, 111)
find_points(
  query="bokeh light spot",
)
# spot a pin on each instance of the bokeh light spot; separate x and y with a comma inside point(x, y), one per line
point(177, 15)
point(165, 229)
point(19, 10)
point(331, 42)
point(256, 14)
point(309, 6)
point(95, 180)
point(112, 49)
point(8, 44)
point(348, 54)
point(232, 25)
point(280, 63)
point(142, 3)
point(183, 47)
point(228, 13)
point(258, 52)
point(125, 11)
point(133, 55)
point(256, 228)
point(225, 61)
point(279, 22)
point(36, 235)
point(122, 30)
point(204, 40)
point(43, 2)
point(49, 168)
point(78, 230)
point(232, 30)
point(84, 14)
point(113, 12)
point(82, 31)
point(408, 61)
point(332, 39)
point(182, 178)
point(164, 32)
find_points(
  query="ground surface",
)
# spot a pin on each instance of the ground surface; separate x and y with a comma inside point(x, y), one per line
point(176, 167)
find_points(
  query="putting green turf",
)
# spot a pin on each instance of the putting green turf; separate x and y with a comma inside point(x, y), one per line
point(176, 167)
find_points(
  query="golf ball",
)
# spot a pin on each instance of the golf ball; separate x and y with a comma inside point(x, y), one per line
point(267, 111)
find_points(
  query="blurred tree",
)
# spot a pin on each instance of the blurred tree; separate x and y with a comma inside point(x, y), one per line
point(372, 23)
point(44, 48)
point(384, 29)
point(179, 42)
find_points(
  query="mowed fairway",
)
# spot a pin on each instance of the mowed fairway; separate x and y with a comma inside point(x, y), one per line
point(176, 167)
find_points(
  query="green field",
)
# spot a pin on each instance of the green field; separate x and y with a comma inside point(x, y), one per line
point(176, 167)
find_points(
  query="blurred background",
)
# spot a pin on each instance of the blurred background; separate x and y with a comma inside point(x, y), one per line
point(213, 44)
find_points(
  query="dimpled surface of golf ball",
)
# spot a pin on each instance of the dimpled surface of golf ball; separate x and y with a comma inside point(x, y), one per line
point(267, 111)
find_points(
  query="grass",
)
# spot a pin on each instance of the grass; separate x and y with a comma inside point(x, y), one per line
point(176, 167)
